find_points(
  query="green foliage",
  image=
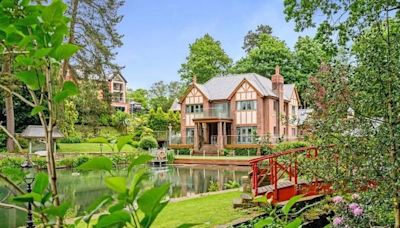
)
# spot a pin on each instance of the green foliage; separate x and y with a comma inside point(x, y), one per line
point(289, 145)
point(281, 220)
point(356, 98)
point(127, 191)
point(3, 140)
point(97, 140)
point(245, 151)
point(182, 151)
point(206, 60)
point(120, 120)
point(72, 139)
point(148, 142)
point(141, 96)
point(67, 125)
point(98, 163)
point(251, 40)
point(170, 156)
point(269, 53)
point(213, 186)
point(231, 184)
point(161, 95)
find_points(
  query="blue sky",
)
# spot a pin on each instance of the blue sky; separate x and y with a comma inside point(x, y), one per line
point(157, 33)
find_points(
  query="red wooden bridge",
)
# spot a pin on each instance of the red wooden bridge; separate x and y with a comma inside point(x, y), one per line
point(277, 175)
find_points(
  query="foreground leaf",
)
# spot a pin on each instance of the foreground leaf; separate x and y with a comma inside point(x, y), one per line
point(117, 184)
point(294, 224)
point(59, 211)
point(290, 203)
point(142, 159)
point(122, 141)
point(264, 222)
point(41, 183)
point(28, 197)
point(151, 198)
point(115, 218)
point(98, 163)
point(95, 207)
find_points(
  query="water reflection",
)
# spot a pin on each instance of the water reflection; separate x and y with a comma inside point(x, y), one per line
point(82, 190)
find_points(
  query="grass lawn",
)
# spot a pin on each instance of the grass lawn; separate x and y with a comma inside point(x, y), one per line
point(217, 157)
point(207, 211)
point(90, 147)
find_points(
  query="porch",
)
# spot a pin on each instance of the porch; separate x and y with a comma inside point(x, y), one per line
point(210, 135)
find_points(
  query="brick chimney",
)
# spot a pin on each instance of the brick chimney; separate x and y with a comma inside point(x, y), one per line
point(277, 87)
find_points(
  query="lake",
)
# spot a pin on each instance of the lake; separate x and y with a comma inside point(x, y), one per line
point(82, 190)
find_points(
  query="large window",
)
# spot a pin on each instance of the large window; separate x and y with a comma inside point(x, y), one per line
point(246, 105)
point(246, 135)
point(189, 135)
point(194, 108)
point(294, 110)
point(276, 105)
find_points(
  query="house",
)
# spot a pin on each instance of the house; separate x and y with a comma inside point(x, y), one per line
point(117, 85)
point(236, 109)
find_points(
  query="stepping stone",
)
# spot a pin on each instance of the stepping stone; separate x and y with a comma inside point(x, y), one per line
point(237, 203)
point(246, 198)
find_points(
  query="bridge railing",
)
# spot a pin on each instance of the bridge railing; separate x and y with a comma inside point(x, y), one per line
point(273, 168)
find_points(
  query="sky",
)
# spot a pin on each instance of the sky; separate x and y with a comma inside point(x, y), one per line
point(157, 34)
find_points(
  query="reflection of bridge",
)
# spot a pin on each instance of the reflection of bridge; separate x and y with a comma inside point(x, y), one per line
point(277, 175)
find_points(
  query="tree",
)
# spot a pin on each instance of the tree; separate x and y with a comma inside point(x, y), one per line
point(206, 59)
point(9, 103)
point(308, 56)
point(34, 34)
point(163, 95)
point(93, 27)
point(263, 59)
point(367, 141)
point(251, 40)
point(140, 95)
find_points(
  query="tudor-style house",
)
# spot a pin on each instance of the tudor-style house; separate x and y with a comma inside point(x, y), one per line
point(117, 85)
point(234, 109)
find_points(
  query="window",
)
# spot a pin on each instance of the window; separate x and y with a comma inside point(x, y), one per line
point(294, 131)
point(189, 135)
point(117, 86)
point(276, 105)
point(276, 131)
point(194, 108)
point(294, 111)
point(246, 105)
point(246, 135)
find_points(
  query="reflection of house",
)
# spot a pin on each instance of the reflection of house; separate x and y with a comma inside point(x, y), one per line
point(233, 109)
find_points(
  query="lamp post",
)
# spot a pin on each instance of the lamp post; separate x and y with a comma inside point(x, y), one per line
point(29, 178)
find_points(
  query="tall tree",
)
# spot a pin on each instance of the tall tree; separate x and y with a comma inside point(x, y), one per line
point(93, 27)
point(368, 144)
point(206, 59)
point(307, 57)
point(139, 95)
point(252, 38)
point(163, 94)
point(268, 53)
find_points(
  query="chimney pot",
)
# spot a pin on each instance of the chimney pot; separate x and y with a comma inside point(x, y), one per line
point(277, 70)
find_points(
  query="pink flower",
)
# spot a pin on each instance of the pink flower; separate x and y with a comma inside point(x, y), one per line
point(358, 211)
point(353, 206)
point(355, 196)
point(337, 199)
point(337, 221)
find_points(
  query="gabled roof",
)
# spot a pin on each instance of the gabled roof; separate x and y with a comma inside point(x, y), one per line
point(221, 87)
point(113, 75)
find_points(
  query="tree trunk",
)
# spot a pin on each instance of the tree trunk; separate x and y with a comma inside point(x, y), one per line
point(9, 105)
point(397, 211)
point(10, 121)
point(71, 38)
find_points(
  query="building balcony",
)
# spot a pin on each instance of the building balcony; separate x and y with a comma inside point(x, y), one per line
point(212, 114)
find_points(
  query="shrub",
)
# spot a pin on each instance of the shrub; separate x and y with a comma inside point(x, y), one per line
point(289, 145)
point(246, 152)
point(72, 139)
point(11, 162)
point(231, 184)
point(39, 162)
point(148, 142)
point(3, 140)
point(183, 151)
point(23, 142)
point(170, 156)
point(67, 162)
point(213, 187)
point(80, 160)
point(134, 144)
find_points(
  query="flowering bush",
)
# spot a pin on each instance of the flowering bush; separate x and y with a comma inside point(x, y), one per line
point(349, 212)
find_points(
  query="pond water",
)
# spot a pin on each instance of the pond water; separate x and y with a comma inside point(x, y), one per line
point(82, 190)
